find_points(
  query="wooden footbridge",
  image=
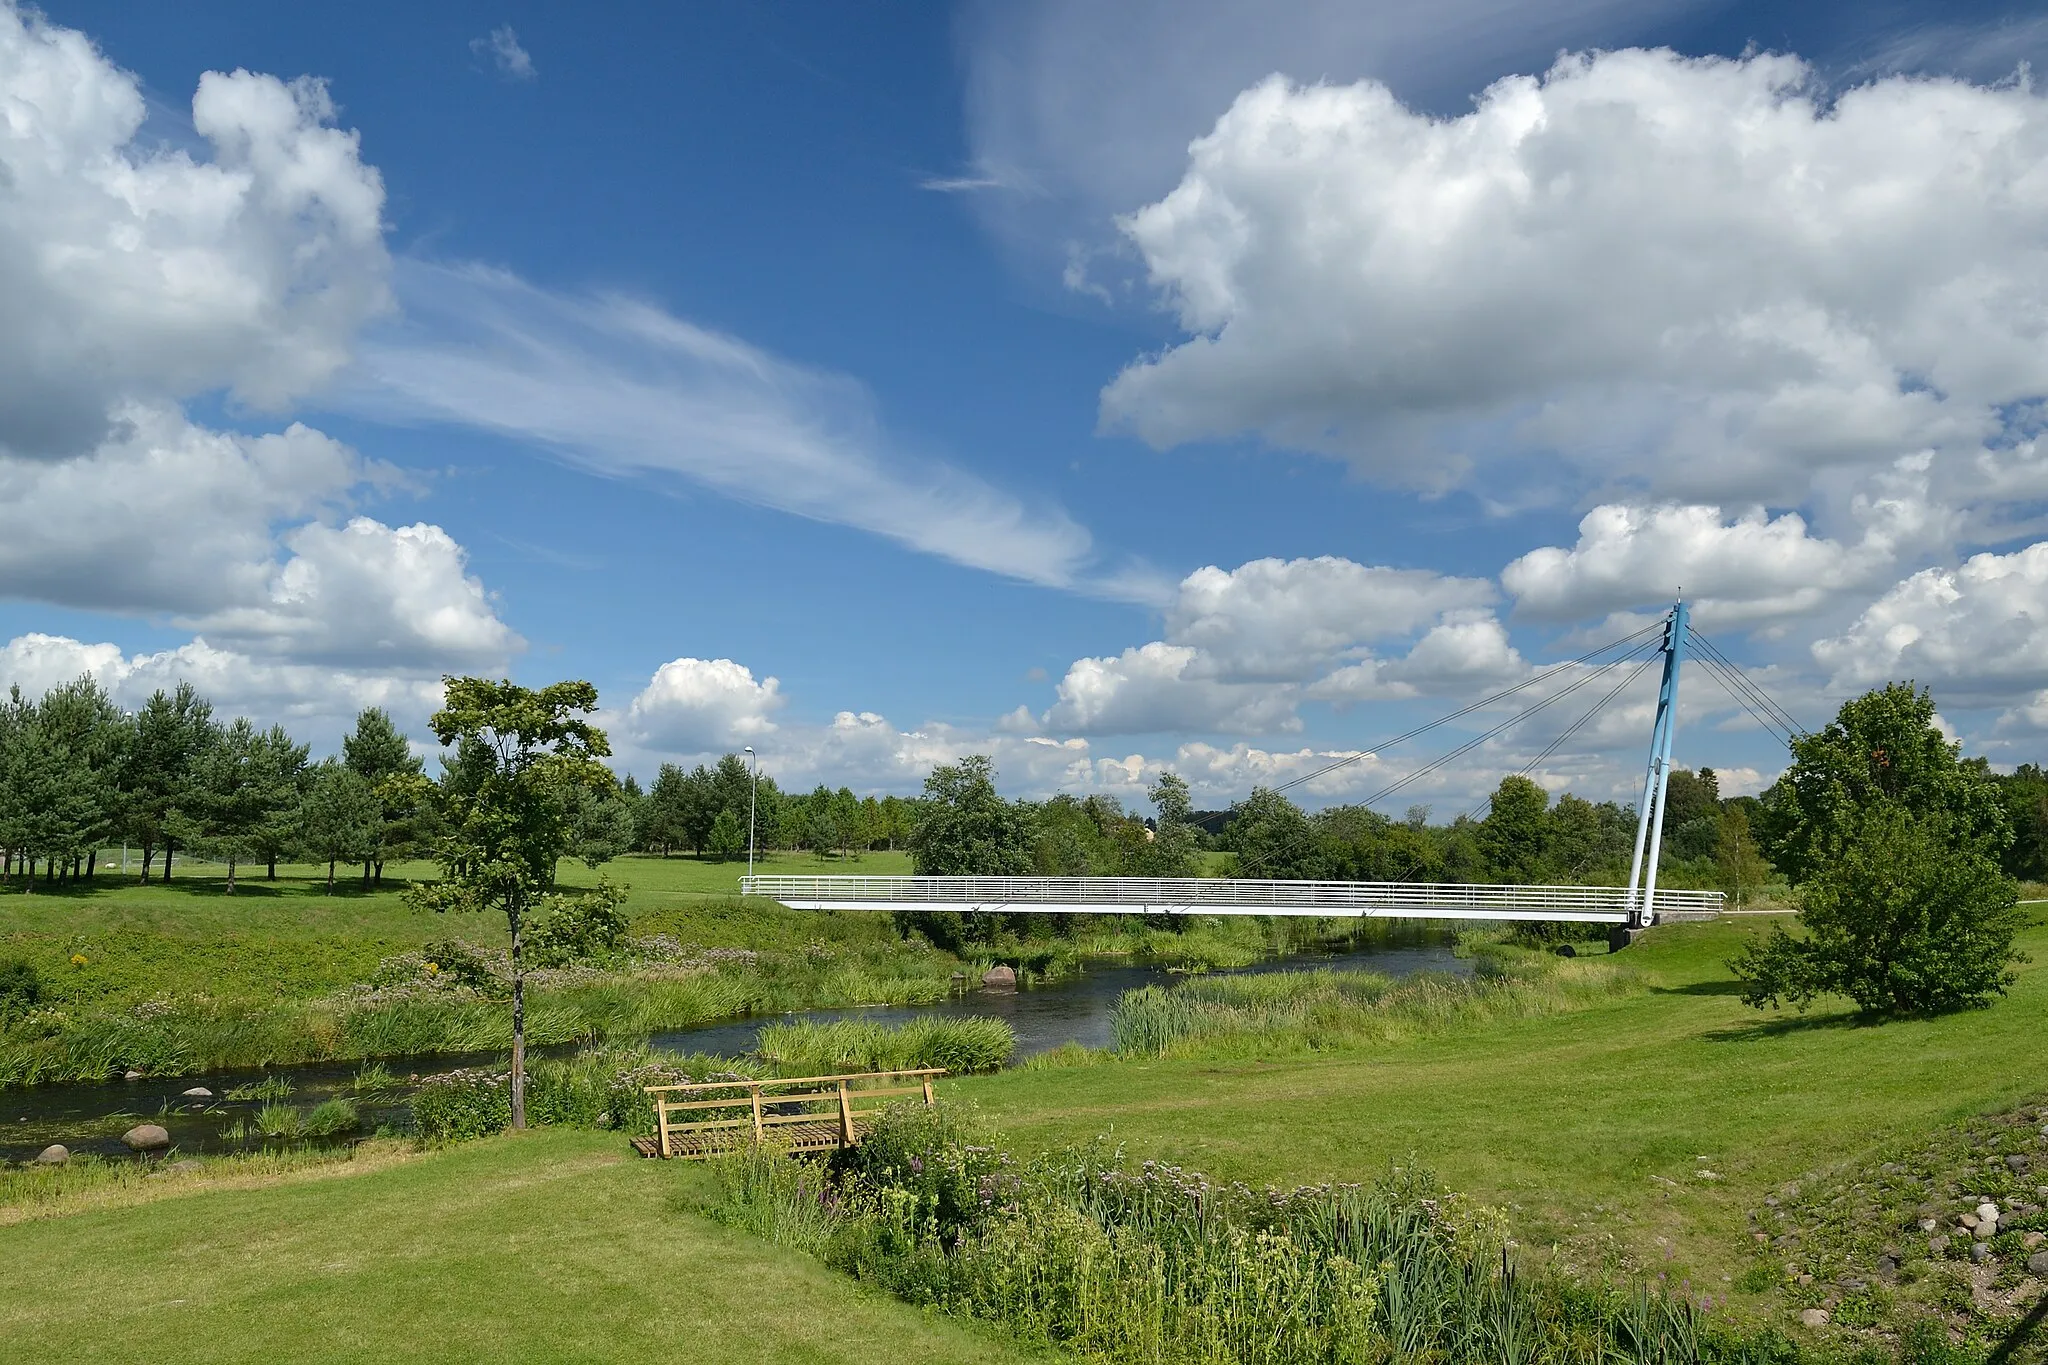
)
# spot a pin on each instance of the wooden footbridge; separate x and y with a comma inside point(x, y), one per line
point(799, 1114)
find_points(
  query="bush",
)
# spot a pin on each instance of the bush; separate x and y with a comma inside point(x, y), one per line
point(1903, 918)
point(463, 1104)
point(332, 1118)
point(21, 990)
point(585, 928)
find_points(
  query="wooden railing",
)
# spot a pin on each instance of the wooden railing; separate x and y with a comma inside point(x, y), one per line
point(802, 1113)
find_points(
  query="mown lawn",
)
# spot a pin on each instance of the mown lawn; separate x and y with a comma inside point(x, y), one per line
point(1603, 1122)
point(553, 1246)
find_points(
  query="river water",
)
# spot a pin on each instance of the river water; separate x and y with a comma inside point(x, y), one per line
point(91, 1116)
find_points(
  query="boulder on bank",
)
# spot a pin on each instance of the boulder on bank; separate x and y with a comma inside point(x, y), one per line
point(1000, 977)
point(56, 1154)
point(147, 1137)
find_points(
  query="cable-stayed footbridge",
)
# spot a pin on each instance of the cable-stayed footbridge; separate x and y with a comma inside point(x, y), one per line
point(1639, 903)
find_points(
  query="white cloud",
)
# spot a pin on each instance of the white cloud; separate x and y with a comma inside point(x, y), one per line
point(1689, 273)
point(695, 706)
point(1280, 620)
point(502, 48)
point(1466, 652)
point(1977, 634)
point(135, 272)
point(1158, 687)
point(1080, 110)
point(371, 595)
point(316, 702)
point(624, 388)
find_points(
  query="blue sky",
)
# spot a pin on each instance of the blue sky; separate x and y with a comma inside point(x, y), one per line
point(909, 357)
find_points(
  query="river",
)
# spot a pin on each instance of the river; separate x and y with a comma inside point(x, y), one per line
point(91, 1116)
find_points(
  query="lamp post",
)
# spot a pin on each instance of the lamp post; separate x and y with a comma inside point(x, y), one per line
point(753, 794)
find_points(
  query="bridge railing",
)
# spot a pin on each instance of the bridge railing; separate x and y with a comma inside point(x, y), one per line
point(1221, 895)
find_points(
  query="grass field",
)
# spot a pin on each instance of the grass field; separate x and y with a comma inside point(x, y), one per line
point(554, 1246)
point(1647, 1124)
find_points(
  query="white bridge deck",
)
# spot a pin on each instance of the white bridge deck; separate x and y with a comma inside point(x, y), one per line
point(1225, 896)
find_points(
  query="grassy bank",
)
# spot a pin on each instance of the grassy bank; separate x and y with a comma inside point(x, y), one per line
point(1637, 1131)
point(551, 1246)
point(181, 978)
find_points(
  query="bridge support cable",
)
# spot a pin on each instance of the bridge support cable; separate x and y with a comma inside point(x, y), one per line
point(1657, 778)
point(1630, 639)
point(1752, 698)
point(1565, 738)
point(1601, 671)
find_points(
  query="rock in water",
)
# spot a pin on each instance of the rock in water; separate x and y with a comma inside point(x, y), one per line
point(1000, 977)
point(131, 1075)
point(56, 1154)
point(147, 1137)
point(198, 1092)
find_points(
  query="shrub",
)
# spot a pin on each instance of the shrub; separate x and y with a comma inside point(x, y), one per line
point(21, 990)
point(462, 1104)
point(585, 928)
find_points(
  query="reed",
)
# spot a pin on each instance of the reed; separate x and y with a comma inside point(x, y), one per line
point(959, 1045)
point(1087, 1252)
point(1278, 1013)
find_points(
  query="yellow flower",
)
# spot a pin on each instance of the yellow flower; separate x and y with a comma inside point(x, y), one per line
point(433, 967)
point(78, 959)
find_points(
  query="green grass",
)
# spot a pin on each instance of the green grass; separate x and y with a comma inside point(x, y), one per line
point(1593, 1126)
point(552, 1246)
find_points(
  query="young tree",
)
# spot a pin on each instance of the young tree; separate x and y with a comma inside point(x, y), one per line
point(968, 830)
point(1273, 839)
point(279, 774)
point(223, 804)
point(1171, 850)
point(170, 732)
point(340, 817)
point(1741, 865)
point(728, 839)
point(383, 757)
point(1882, 747)
point(1902, 917)
point(522, 754)
point(1515, 835)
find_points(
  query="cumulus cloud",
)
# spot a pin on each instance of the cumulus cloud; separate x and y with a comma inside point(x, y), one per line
point(501, 47)
point(370, 595)
point(1977, 633)
point(316, 702)
point(626, 389)
point(1275, 620)
point(1160, 687)
point(1697, 260)
point(1468, 651)
point(695, 706)
point(133, 271)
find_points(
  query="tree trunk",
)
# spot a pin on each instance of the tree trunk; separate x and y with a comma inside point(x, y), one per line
point(92, 863)
point(330, 876)
point(273, 868)
point(366, 874)
point(148, 856)
point(30, 888)
point(380, 872)
point(518, 1031)
point(231, 874)
point(168, 846)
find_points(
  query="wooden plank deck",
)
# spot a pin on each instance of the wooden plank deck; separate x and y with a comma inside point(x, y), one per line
point(820, 1136)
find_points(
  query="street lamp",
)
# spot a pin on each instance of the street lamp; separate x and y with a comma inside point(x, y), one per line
point(753, 794)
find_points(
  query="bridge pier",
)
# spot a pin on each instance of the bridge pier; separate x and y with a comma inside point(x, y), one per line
point(1619, 936)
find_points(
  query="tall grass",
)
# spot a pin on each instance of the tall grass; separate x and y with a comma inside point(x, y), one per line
point(84, 1043)
point(1085, 1251)
point(1275, 1013)
point(959, 1045)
